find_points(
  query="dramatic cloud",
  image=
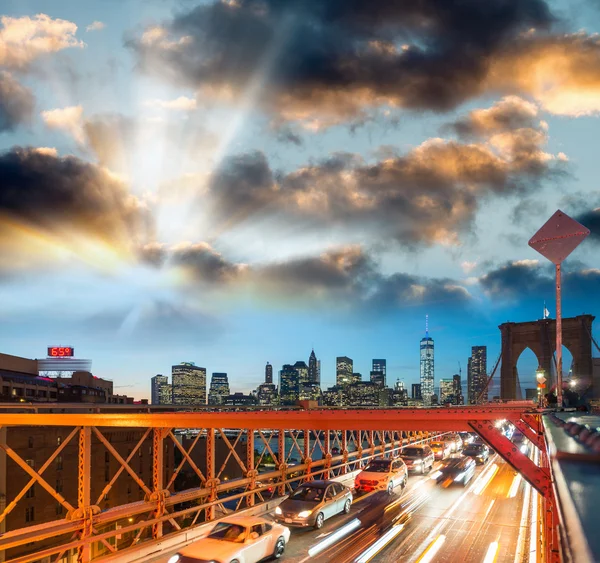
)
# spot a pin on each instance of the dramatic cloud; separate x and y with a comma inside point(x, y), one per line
point(66, 197)
point(591, 220)
point(95, 26)
point(429, 195)
point(69, 119)
point(179, 104)
point(326, 62)
point(346, 275)
point(16, 103)
point(509, 114)
point(523, 279)
point(25, 39)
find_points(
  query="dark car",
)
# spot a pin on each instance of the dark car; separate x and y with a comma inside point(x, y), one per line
point(456, 470)
point(418, 459)
point(479, 452)
point(467, 438)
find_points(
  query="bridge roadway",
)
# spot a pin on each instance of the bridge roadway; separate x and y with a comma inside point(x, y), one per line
point(467, 519)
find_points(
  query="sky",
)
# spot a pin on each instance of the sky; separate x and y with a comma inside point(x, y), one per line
point(232, 182)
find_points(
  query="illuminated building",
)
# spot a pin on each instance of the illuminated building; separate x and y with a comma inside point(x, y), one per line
point(289, 385)
point(268, 373)
point(427, 369)
point(446, 391)
point(416, 392)
point(378, 372)
point(239, 400)
point(335, 396)
point(161, 392)
point(189, 384)
point(477, 375)
point(314, 375)
point(458, 394)
point(343, 370)
point(219, 388)
point(364, 394)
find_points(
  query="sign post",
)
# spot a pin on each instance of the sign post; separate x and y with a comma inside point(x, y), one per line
point(555, 240)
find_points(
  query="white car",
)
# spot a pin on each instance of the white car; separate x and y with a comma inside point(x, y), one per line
point(382, 473)
point(237, 540)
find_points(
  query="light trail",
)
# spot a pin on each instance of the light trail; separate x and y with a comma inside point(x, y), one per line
point(523, 524)
point(432, 550)
point(335, 536)
point(533, 535)
point(486, 477)
point(492, 552)
point(379, 544)
point(487, 512)
point(514, 488)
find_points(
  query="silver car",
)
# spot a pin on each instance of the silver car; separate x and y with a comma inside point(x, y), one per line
point(313, 502)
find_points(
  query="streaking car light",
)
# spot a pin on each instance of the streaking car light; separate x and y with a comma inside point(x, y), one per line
point(278, 511)
point(332, 538)
point(514, 488)
point(432, 550)
point(485, 479)
point(492, 551)
point(523, 449)
point(304, 514)
point(174, 559)
point(379, 544)
point(459, 477)
point(435, 475)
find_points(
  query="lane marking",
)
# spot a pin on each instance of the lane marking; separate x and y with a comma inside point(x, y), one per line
point(514, 488)
point(333, 537)
point(432, 550)
point(487, 512)
point(374, 549)
point(492, 552)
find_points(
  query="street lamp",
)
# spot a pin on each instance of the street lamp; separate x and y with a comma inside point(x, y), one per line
point(540, 376)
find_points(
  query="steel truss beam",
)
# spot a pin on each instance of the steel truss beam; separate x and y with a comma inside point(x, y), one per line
point(442, 420)
point(537, 477)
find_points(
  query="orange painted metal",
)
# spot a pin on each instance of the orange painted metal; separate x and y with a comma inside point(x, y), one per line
point(434, 419)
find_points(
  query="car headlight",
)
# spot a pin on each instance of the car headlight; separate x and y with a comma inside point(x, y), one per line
point(523, 449)
point(174, 558)
point(459, 477)
point(417, 461)
point(304, 514)
point(278, 511)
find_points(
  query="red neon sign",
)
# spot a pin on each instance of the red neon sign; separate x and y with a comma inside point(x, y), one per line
point(61, 351)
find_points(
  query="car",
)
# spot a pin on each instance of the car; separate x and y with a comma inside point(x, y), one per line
point(521, 442)
point(382, 473)
point(441, 449)
point(456, 470)
point(314, 502)
point(237, 539)
point(479, 452)
point(454, 440)
point(467, 438)
point(418, 459)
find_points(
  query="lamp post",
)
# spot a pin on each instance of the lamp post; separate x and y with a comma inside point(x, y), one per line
point(541, 382)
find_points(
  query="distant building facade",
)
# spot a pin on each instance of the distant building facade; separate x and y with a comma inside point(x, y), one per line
point(160, 390)
point(427, 369)
point(416, 392)
point(219, 388)
point(378, 372)
point(289, 385)
point(477, 375)
point(189, 384)
point(344, 368)
point(268, 373)
point(447, 391)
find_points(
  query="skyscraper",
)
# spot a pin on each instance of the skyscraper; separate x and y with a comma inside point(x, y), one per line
point(477, 375)
point(289, 385)
point(458, 389)
point(447, 391)
point(416, 392)
point(378, 372)
point(219, 389)
point(343, 370)
point(268, 373)
point(189, 384)
point(427, 367)
point(313, 369)
point(160, 390)
point(308, 386)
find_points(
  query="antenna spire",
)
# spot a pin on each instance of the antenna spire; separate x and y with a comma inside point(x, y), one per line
point(427, 326)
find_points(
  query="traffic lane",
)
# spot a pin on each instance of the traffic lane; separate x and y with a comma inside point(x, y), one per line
point(465, 522)
point(369, 509)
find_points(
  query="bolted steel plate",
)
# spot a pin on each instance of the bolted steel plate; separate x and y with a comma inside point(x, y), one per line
point(558, 237)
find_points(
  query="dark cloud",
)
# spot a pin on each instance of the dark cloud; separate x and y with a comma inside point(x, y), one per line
point(16, 103)
point(529, 278)
point(204, 263)
point(427, 195)
point(287, 135)
point(591, 220)
point(68, 195)
point(328, 61)
point(509, 114)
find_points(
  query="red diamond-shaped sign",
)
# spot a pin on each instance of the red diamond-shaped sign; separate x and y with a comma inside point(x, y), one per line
point(558, 237)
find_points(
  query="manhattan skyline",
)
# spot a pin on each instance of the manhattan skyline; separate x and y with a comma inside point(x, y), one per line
point(324, 181)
